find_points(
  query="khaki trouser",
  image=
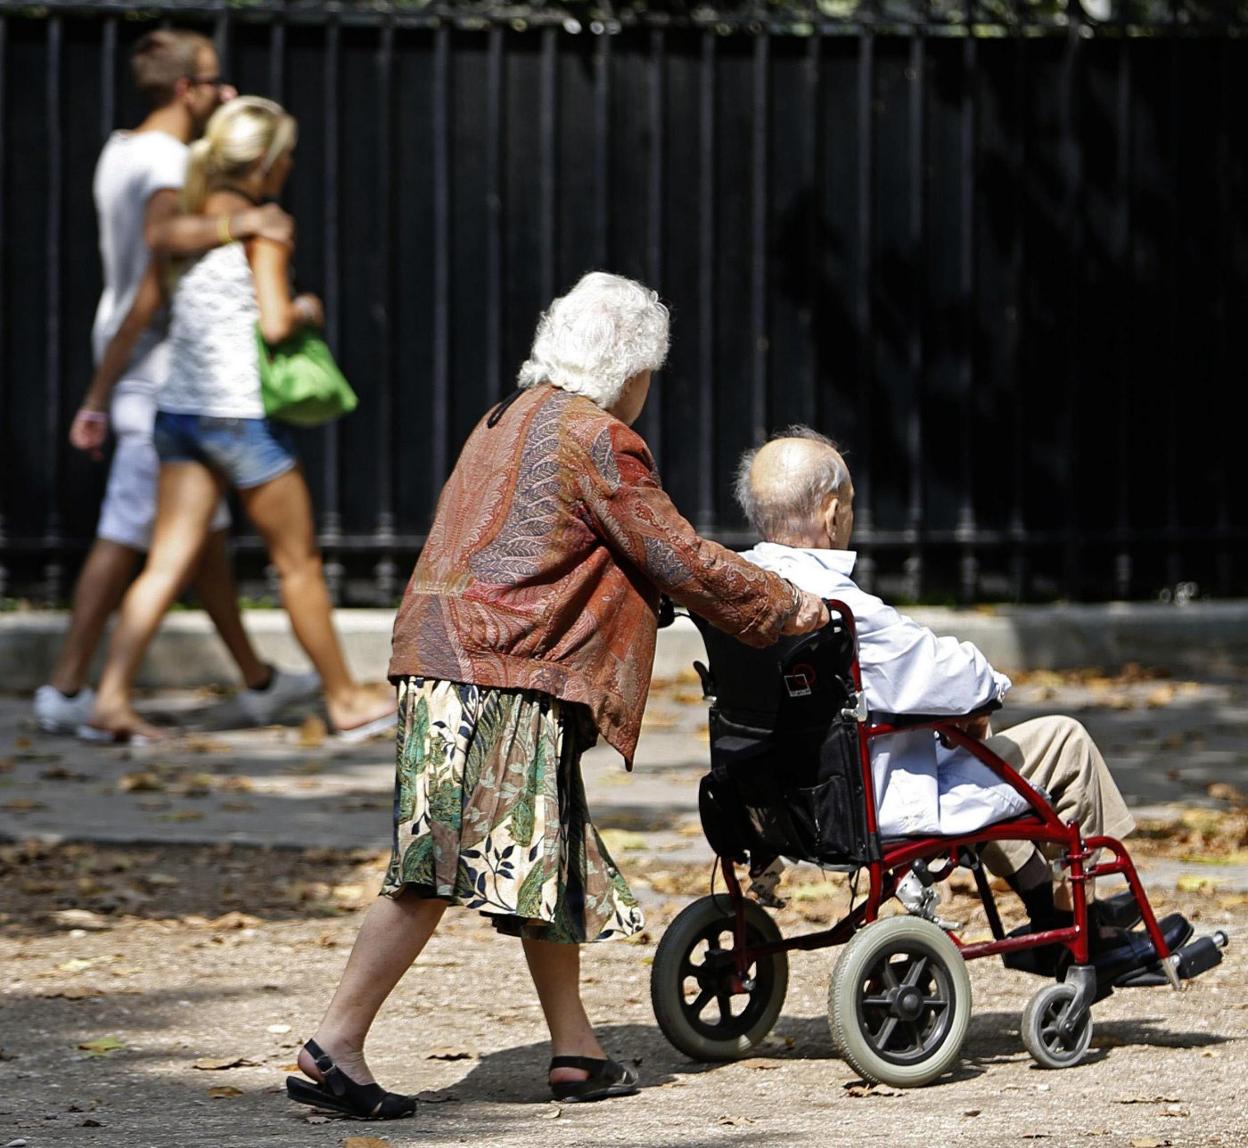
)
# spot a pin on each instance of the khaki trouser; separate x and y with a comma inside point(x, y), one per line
point(1057, 755)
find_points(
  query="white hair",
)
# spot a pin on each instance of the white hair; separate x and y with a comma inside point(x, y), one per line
point(785, 509)
point(595, 338)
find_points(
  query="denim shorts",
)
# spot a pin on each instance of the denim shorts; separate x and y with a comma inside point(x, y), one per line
point(247, 452)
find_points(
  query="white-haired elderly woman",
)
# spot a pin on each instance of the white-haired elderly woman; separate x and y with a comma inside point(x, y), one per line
point(527, 631)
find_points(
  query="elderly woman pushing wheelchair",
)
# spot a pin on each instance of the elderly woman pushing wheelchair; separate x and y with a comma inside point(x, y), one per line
point(527, 631)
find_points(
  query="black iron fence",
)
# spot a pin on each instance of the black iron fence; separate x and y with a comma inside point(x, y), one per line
point(999, 252)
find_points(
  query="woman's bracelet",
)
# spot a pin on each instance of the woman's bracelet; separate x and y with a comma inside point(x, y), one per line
point(91, 416)
point(223, 230)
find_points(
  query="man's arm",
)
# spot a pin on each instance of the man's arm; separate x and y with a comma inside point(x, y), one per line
point(167, 232)
point(907, 669)
point(90, 424)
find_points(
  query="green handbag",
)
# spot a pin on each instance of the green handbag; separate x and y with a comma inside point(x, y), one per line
point(300, 383)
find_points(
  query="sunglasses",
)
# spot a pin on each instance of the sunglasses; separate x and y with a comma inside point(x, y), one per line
point(217, 82)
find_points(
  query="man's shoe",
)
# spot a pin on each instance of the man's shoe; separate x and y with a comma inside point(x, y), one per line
point(1134, 951)
point(285, 688)
point(1121, 911)
point(56, 713)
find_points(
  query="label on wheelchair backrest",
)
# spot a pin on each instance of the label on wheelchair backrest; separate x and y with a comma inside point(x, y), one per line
point(799, 682)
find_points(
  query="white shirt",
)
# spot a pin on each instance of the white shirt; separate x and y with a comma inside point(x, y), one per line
point(920, 786)
point(132, 167)
point(214, 367)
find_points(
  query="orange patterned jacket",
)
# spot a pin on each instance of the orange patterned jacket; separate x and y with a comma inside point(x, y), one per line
point(550, 544)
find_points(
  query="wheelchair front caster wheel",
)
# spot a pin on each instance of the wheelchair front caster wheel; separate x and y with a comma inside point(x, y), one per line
point(1052, 1042)
point(703, 1008)
point(900, 1002)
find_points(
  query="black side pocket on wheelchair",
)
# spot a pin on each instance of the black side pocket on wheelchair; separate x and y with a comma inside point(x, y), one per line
point(832, 813)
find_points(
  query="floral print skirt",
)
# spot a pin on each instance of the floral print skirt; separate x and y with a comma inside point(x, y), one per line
point(490, 813)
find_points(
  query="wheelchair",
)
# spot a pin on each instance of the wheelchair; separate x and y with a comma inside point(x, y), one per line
point(790, 775)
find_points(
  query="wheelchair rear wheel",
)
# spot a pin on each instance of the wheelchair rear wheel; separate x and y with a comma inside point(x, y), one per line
point(900, 1002)
point(691, 981)
point(1043, 1034)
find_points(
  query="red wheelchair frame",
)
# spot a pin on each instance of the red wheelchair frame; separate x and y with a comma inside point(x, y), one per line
point(1057, 1024)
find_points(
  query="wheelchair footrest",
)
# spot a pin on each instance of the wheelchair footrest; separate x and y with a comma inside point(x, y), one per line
point(1194, 958)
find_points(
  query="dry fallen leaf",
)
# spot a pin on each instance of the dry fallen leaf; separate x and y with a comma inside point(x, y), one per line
point(435, 1096)
point(141, 782)
point(365, 1142)
point(102, 1045)
point(23, 805)
point(1148, 1100)
point(224, 1092)
point(311, 734)
point(219, 1063)
point(445, 1053)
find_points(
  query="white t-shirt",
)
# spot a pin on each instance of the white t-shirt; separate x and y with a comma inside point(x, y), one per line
point(132, 167)
point(214, 368)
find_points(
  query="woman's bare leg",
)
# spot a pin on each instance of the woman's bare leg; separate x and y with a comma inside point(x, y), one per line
point(394, 932)
point(282, 512)
point(187, 498)
point(218, 594)
point(556, 972)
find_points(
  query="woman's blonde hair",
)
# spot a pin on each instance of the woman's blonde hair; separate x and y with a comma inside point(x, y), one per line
point(242, 133)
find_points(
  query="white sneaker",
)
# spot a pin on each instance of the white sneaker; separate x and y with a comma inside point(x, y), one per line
point(285, 689)
point(56, 713)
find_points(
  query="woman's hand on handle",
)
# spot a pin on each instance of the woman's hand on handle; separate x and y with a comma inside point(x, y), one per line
point(811, 614)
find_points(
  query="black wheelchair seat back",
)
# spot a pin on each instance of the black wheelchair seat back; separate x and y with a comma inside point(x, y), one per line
point(786, 775)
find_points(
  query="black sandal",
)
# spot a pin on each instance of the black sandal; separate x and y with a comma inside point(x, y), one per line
point(606, 1078)
point(339, 1093)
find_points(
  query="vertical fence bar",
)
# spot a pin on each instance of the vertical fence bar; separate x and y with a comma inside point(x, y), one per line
point(811, 166)
point(6, 483)
point(385, 573)
point(1173, 264)
point(864, 311)
point(706, 286)
point(53, 569)
point(758, 238)
point(1017, 332)
point(1223, 571)
point(602, 148)
point(440, 407)
point(277, 56)
point(916, 104)
point(331, 516)
point(494, 212)
point(1122, 328)
point(221, 39)
point(1072, 230)
point(966, 531)
point(108, 77)
point(653, 415)
point(548, 160)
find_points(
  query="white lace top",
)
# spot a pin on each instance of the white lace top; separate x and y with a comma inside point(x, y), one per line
point(213, 368)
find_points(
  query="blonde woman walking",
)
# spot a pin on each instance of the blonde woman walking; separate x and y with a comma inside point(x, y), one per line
point(211, 431)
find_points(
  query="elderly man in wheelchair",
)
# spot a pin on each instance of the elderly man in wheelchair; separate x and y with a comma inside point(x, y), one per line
point(868, 747)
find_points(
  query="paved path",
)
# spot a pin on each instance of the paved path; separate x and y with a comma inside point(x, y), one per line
point(1167, 741)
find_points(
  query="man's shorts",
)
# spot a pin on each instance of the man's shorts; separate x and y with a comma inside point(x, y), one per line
point(129, 507)
point(247, 452)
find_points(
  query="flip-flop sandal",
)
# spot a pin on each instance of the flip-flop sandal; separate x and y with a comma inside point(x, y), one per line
point(123, 736)
point(337, 1092)
point(365, 730)
point(606, 1078)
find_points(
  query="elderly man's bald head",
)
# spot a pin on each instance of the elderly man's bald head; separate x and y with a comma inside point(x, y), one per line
point(786, 486)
